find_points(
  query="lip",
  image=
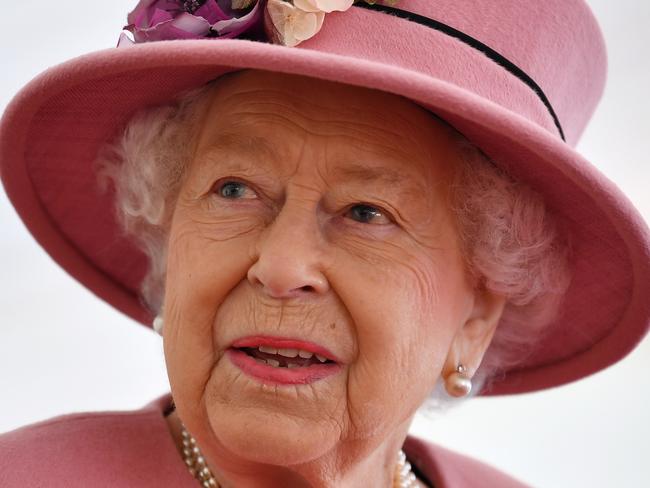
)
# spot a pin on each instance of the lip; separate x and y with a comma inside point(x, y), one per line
point(282, 376)
point(284, 343)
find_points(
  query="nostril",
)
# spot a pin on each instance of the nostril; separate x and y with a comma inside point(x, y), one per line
point(279, 280)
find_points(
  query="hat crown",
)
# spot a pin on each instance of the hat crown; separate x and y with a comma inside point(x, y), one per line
point(557, 43)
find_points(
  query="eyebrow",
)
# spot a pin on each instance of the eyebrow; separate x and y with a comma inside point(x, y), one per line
point(382, 174)
point(248, 143)
point(254, 144)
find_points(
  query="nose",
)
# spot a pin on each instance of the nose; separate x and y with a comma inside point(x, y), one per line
point(289, 260)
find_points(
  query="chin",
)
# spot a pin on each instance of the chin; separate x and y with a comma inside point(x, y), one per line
point(273, 438)
point(274, 424)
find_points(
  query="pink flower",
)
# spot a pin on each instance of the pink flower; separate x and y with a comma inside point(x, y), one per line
point(287, 22)
point(323, 5)
point(158, 20)
point(289, 25)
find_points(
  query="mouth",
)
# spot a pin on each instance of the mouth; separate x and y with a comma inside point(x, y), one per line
point(282, 361)
point(285, 357)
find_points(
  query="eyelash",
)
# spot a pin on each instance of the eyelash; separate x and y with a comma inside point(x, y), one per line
point(220, 184)
point(380, 211)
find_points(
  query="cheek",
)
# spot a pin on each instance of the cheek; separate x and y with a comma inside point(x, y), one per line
point(408, 300)
point(201, 270)
point(406, 312)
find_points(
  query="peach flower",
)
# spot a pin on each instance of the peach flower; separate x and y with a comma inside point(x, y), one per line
point(323, 5)
point(289, 25)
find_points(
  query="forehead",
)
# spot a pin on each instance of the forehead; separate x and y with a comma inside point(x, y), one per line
point(358, 131)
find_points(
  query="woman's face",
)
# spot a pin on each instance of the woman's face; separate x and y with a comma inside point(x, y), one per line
point(313, 216)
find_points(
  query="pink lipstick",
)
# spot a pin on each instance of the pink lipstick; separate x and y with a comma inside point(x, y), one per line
point(282, 361)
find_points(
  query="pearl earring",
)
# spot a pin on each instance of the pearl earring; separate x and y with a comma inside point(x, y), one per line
point(158, 324)
point(458, 384)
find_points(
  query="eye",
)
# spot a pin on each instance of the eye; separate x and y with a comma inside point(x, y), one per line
point(368, 214)
point(234, 190)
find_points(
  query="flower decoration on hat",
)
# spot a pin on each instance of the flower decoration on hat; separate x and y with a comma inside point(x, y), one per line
point(287, 22)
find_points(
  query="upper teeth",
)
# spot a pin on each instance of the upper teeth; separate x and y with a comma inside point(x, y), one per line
point(291, 353)
point(288, 353)
point(268, 350)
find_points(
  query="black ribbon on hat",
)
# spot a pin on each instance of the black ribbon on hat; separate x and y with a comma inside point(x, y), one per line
point(476, 44)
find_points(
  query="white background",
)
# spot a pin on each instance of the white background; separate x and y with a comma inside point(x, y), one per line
point(63, 350)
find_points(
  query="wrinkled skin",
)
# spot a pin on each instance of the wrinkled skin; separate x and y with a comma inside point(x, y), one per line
point(292, 254)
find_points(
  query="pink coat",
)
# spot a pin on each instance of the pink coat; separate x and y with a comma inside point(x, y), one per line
point(135, 449)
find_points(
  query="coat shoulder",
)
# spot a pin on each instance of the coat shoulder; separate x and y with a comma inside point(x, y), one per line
point(449, 469)
point(90, 449)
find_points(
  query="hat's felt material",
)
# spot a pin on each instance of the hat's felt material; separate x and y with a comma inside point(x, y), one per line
point(51, 132)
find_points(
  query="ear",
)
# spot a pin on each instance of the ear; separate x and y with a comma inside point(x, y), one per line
point(474, 336)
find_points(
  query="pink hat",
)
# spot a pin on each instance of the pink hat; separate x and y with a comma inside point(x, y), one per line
point(521, 94)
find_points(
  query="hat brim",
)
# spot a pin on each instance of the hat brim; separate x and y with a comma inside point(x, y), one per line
point(52, 130)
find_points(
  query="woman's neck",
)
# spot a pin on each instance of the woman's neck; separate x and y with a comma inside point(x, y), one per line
point(332, 470)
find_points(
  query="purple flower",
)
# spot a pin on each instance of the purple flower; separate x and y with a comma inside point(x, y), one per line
point(159, 20)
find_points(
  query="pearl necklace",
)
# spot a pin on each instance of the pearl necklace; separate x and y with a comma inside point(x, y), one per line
point(403, 478)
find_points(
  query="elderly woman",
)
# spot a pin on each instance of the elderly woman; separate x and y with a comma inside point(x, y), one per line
point(333, 212)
